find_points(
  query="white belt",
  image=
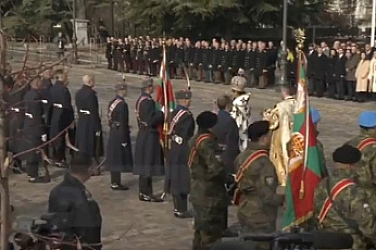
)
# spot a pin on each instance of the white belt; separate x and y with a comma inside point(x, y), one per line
point(58, 105)
point(177, 139)
point(28, 115)
point(86, 112)
point(44, 101)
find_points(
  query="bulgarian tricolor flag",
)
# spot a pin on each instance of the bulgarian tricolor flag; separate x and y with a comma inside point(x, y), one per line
point(165, 98)
point(305, 167)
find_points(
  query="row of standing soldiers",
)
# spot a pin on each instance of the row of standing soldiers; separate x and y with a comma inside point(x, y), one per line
point(217, 62)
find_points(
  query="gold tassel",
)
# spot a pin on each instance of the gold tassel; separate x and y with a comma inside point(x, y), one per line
point(301, 192)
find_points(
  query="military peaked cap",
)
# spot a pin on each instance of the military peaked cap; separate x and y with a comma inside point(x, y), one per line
point(147, 83)
point(315, 114)
point(258, 129)
point(367, 119)
point(347, 155)
point(206, 119)
point(183, 94)
point(121, 86)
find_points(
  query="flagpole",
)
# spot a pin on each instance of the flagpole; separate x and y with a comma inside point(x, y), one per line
point(166, 106)
point(373, 23)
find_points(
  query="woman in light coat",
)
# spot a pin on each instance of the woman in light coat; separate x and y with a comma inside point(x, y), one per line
point(361, 75)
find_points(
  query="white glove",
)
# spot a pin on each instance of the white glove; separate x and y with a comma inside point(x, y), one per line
point(124, 144)
point(162, 109)
point(44, 138)
point(98, 133)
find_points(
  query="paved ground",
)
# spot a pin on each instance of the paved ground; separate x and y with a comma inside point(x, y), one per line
point(130, 224)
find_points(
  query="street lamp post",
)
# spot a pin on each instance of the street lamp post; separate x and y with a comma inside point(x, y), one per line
point(75, 57)
point(283, 54)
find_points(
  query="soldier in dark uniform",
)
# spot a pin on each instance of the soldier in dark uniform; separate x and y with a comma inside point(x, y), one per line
point(120, 55)
point(177, 173)
point(62, 116)
point(139, 57)
point(227, 133)
point(115, 52)
point(127, 55)
point(171, 64)
point(89, 127)
point(247, 63)
point(188, 57)
point(311, 71)
point(207, 66)
point(196, 65)
point(119, 157)
point(134, 57)
point(261, 72)
point(236, 58)
point(44, 91)
point(155, 56)
point(109, 47)
point(321, 67)
point(271, 59)
point(340, 73)
point(179, 60)
point(146, 59)
point(34, 130)
point(16, 115)
point(216, 63)
point(226, 64)
point(149, 159)
point(71, 201)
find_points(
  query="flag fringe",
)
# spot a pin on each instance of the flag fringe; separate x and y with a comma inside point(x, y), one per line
point(298, 221)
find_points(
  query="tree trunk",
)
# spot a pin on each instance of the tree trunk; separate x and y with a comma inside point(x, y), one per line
point(4, 206)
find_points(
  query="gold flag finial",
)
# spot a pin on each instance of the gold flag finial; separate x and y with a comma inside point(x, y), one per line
point(164, 38)
point(300, 37)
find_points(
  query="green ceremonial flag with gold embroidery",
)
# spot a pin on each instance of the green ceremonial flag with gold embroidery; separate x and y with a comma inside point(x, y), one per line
point(305, 165)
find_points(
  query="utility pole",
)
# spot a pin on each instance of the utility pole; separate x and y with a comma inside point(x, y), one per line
point(112, 19)
point(283, 54)
point(75, 57)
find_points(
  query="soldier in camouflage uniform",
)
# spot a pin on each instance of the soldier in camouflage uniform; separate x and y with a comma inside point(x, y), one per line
point(366, 143)
point(208, 178)
point(340, 205)
point(257, 183)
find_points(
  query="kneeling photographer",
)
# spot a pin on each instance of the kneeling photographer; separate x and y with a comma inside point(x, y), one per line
point(71, 198)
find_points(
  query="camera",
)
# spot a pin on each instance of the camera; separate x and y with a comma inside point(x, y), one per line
point(48, 232)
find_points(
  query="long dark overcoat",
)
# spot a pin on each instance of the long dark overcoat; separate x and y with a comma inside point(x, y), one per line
point(89, 122)
point(227, 135)
point(149, 159)
point(34, 126)
point(16, 115)
point(177, 179)
point(62, 110)
point(119, 156)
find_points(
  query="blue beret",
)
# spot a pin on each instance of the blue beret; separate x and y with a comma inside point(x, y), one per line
point(367, 119)
point(315, 114)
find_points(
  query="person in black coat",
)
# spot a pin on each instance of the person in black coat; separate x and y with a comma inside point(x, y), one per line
point(71, 201)
point(330, 77)
point(311, 68)
point(149, 159)
point(182, 127)
point(227, 133)
point(44, 91)
point(340, 73)
point(62, 116)
point(119, 157)
point(89, 127)
point(321, 66)
point(34, 130)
